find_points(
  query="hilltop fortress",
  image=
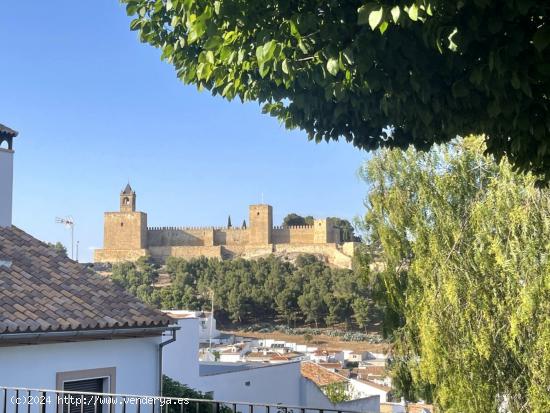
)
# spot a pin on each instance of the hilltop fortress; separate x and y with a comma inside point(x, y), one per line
point(127, 237)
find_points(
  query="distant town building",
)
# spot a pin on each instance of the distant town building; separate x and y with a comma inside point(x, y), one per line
point(127, 237)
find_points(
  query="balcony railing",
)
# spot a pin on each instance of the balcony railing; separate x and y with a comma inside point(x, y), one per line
point(27, 400)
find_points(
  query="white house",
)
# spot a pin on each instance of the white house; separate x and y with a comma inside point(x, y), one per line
point(208, 331)
point(63, 326)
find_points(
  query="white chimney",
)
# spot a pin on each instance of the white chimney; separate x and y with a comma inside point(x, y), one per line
point(6, 174)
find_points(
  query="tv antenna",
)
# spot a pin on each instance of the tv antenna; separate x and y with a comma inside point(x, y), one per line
point(68, 222)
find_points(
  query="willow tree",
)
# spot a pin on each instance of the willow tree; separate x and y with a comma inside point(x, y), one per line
point(378, 73)
point(464, 244)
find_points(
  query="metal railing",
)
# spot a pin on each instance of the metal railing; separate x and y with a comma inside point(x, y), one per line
point(29, 400)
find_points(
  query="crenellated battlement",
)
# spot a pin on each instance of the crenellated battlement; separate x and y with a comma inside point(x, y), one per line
point(127, 230)
point(196, 229)
point(291, 227)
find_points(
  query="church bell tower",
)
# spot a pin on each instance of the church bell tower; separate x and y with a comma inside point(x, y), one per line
point(128, 199)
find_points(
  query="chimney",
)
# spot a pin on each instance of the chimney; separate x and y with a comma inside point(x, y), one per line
point(6, 174)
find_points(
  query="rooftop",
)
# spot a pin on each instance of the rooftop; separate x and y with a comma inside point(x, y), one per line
point(320, 375)
point(42, 290)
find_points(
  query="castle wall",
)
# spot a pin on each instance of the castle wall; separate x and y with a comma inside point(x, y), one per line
point(292, 235)
point(125, 230)
point(333, 255)
point(173, 236)
point(186, 252)
point(113, 255)
point(231, 236)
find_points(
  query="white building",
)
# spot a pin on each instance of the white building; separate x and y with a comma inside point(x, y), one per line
point(252, 382)
point(208, 331)
point(63, 326)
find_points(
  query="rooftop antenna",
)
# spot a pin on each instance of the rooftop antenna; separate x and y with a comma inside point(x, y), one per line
point(68, 222)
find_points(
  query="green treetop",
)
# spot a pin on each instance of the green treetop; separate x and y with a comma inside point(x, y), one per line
point(382, 73)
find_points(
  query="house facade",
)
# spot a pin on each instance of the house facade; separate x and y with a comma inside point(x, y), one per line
point(64, 327)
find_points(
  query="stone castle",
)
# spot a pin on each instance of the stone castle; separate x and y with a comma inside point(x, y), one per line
point(127, 237)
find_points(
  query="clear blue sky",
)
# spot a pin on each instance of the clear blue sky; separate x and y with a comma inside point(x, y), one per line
point(94, 107)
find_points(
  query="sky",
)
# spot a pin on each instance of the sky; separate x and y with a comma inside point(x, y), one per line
point(95, 108)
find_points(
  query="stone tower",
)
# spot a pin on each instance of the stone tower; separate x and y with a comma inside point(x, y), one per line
point(260, 224)
point(128, 199)
point(321, 231)
point(127, 229)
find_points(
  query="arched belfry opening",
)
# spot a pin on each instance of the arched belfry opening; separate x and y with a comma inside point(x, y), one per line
point(128, 199)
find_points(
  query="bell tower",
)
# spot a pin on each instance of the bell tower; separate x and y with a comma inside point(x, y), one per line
point(128, 199)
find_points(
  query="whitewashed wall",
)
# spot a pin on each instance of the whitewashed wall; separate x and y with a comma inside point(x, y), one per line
point(364, 389)
point(135, 359)
point(275, 383)
point(6, 186)
point(312, 396)
point(181, 358)
point(35, 366)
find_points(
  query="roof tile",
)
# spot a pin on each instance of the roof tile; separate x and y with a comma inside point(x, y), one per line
point(45, 291)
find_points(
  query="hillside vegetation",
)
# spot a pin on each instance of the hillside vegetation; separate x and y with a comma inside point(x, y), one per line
point(251, 291)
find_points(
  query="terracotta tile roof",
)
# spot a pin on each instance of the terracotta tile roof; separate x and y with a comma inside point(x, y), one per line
point(43, 291)
point(375, 385)
point(371, 370)
point(331, 365)
point(320, 375)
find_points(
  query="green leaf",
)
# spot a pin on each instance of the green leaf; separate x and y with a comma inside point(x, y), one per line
point(268, 50)
point(332, 66)
point(284, 66)
point(383, 27)
point(227, 88)
point(264, 70)
point(213, 42)
point(294, 30)
point(413, 12)
point(375, 17)
point(395, 13)
point(167, 51)
point(131, 7)
point(210, 57)
point(260, 55)
point(217, 5)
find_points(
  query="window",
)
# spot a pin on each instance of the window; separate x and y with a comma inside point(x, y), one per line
point(91, 403)
point(100, 380)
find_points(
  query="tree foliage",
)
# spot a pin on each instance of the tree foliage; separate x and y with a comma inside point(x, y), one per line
point(58, 247)
point(381, 73)
point(293, 220)
point(253, 291)
point(465, 277)
point(347, 231)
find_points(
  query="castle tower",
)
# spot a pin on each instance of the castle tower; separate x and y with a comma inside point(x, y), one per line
point(260, 224)
point(324, 231)
point(127, 199)
point(127, 229)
